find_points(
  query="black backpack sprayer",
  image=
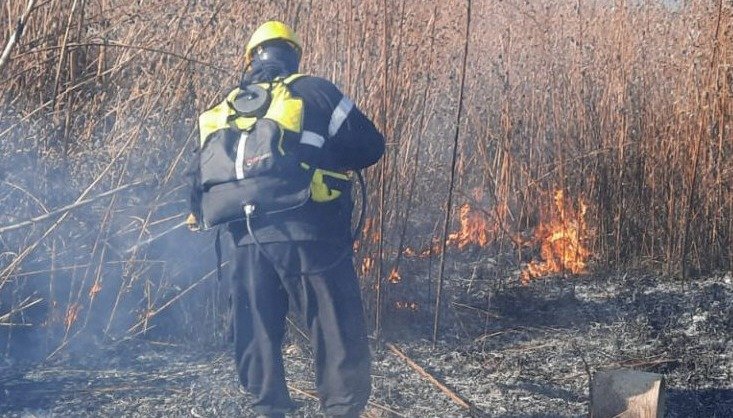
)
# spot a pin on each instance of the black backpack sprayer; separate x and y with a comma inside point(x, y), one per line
point(248, 166)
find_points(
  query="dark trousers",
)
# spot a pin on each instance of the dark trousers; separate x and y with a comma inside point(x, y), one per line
point(330, 305)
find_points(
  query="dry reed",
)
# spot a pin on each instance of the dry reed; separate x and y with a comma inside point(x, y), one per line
point(625, 104)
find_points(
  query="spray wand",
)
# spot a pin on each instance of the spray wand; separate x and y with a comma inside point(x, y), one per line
point(155, 237)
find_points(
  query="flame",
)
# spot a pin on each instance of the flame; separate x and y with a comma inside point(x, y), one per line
point(72, 314)
point(96, 288)
point(394, 276)
point(427, 252)
point(562, 240)
point(367, 227)
point(376, 236)
point(409, 252)
point(474, 229)
point(367, 263)
point(370, 231)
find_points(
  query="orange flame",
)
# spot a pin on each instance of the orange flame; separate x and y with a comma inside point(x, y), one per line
point(394, 276)
point(96, 288)
point(367, 263)
point(72, 314)
point(474, 229)
point(562, 240)
point(370, 231)
point(433, 249)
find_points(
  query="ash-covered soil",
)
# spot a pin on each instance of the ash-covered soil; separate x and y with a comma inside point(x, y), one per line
point(510, 350)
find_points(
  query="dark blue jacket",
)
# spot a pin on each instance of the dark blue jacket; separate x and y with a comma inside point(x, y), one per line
point(350, 142)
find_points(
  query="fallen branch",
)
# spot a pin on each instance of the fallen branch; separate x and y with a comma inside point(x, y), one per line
point(456, 398)
point(68, 207)
point(23, 306)
point(475, 308)
point(27, 193)
point(15, 37)
point(149, 315)
point(642, 363)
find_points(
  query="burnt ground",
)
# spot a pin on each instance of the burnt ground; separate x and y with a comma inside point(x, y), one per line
point(511, 350)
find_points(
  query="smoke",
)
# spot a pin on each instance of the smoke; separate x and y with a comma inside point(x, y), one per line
point(115, 268)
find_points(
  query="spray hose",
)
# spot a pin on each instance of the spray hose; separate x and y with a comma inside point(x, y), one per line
point(249, 210)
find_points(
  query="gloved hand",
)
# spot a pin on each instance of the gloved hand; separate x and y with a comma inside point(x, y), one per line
point(192, 223)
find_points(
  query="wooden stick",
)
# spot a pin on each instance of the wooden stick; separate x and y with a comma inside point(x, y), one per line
point(68, 207)
point(458, 399)
point(16, 35)
point(151, 314)
point(454, 159)
point(23, 305)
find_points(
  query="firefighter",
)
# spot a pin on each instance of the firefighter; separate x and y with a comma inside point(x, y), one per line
point(302, 259)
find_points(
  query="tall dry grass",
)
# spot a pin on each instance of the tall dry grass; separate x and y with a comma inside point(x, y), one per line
point(627, 106)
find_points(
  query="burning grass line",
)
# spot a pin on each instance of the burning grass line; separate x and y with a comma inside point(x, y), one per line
point(496, 216)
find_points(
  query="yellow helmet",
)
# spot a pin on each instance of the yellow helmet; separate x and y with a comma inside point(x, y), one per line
point(270, 31)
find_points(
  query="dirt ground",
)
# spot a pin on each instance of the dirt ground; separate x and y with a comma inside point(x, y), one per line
point(510, 350)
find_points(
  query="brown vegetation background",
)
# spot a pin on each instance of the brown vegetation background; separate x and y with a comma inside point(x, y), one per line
point(624, 105)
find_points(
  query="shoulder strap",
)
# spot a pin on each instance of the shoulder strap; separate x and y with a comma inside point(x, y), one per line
point(289, 79)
